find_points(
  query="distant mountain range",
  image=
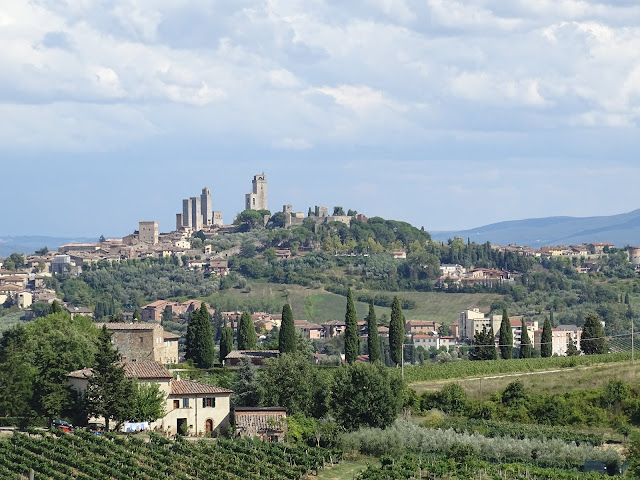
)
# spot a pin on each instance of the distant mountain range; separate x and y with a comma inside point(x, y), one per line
point(29, 244)
point(621, 230)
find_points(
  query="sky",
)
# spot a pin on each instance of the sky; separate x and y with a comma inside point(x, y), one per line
point(448, 114)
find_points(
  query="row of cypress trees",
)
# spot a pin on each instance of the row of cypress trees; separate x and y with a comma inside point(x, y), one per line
point(352, 337)
point(200, 342)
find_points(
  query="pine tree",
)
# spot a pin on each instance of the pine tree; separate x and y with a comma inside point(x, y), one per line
point(287, 337)
point(525, 341)
point(396, 332)
point(484, 345)
point(247, 338)
point(546, 341)
point(373, 339)
point(246, 390)
point(592, 341)
point(55, 307)
point(108, 391)
point(506, 337)
point(226, 341)
point(351, 337)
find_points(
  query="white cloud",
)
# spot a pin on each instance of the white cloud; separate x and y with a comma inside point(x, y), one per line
point(375, 72)
point(292, 144)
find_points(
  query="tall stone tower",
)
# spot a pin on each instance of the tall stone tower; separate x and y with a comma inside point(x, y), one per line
point(186, 212)
point(196, 215)
point(257, 199)
point(148, 232)
point(206, 207)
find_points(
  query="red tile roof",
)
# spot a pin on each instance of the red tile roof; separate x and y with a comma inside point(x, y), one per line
point(127, 326)
point(146, 370)
point(189, 387)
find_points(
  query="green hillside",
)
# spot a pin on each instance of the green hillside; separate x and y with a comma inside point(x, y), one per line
point(318, 305)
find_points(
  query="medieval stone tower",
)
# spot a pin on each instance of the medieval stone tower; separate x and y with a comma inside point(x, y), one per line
point(257, 199)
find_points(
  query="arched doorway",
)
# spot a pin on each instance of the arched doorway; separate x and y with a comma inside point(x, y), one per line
point(208, 426)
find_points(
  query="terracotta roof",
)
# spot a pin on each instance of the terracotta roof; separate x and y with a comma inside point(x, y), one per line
point(146, 370)
point(84, 373)
point(127, 326)
point(259, 409)
point(189, 387)
point(10, 288)
point(157, 303)
point(171, 336)
point(71, 309)
point(253, 354)
point(13, 278)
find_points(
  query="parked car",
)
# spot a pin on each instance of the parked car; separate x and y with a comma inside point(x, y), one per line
point(62, 425)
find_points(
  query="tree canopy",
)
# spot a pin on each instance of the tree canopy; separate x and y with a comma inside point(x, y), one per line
point(592, 341)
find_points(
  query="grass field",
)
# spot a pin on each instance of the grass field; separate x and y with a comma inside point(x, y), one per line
point(347, 470)
point(318, 305)
point(562, 381)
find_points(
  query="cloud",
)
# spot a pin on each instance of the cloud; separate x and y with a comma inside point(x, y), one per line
point(374, 72)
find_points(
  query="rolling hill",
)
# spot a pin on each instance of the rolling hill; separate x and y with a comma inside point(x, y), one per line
point(622, 229)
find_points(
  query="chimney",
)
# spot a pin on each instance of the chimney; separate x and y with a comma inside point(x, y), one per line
point(178, 376)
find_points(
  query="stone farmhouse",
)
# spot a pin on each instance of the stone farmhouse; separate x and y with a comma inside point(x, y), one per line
point(191, 407)
point(268, 423)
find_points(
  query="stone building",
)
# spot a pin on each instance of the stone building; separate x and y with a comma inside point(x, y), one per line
point(138, 342)
point(196, 213)
point(267, 423)
point(206, 207)
point(257, 199)
point(186, 213)
point(148, 232)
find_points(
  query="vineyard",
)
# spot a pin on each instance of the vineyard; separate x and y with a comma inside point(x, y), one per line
point(465, 369)
point(436, 468)
point(85, 456)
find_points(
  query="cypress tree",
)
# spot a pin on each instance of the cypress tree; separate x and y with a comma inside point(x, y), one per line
point(396, 332)
point(490, 348)
point(506, 337)
point(226, 341)
point(136, 315)
point(287, 337)
point(571, 348)
point(247, 338)
point(525, 341)
point(551, 318)
point(200, 347)
point(204, 340)
point(190, 337)
point(373, 339)
point(351, 337)
point(546, 341)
